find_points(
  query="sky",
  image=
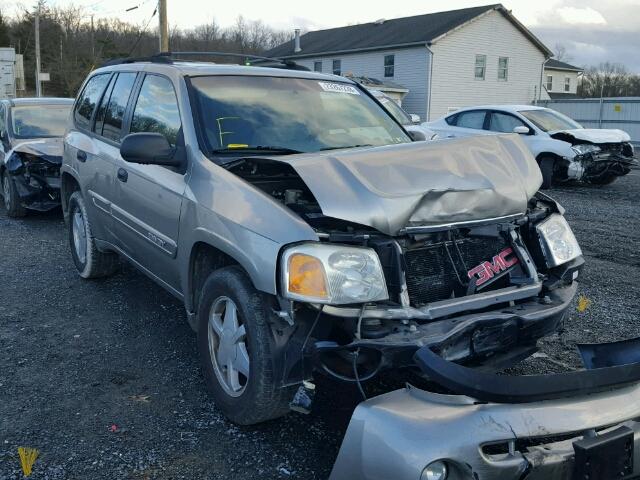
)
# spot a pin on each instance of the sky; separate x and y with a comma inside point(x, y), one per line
point(591, 31)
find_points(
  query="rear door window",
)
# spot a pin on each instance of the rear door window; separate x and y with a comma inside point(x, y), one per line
point(88, 100)
point(109, 122)
point(156, 109)
point(472, 119)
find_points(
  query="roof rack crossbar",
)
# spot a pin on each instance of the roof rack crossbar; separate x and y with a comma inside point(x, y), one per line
point(169, 57)
point(286, 62)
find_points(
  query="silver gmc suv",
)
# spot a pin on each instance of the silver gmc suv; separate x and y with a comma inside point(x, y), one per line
point(306, 231)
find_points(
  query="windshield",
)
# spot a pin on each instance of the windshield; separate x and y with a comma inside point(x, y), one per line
point(394, 109)
point(549, 120)
point(39, 121)
point(289, 115)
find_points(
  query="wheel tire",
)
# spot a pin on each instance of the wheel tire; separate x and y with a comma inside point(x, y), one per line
point(547, 167)
point(11, 198)
point(259, 398)
point(90, 262)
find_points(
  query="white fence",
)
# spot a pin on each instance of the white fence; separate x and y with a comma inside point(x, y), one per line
point(622, 113)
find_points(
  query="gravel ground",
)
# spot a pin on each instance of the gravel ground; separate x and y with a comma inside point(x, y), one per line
point(102, 376)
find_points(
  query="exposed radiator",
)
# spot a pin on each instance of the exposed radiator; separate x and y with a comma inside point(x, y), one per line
point(439, 271)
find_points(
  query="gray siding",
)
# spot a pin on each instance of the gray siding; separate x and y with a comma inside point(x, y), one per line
point(622, 113)
point(412, 68)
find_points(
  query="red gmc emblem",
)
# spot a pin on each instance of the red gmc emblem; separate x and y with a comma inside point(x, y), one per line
point(487, 270)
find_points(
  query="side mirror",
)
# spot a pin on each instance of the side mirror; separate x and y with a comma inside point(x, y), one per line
point(522, 130)
point(417, 136)
point(415, 118)
point(149, 149)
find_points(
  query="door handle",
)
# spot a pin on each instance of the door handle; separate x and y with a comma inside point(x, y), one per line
point(123, 175)
point(81, 156)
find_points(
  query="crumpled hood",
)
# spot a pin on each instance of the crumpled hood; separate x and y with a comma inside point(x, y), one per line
point(422, 183)
point(49, 149)
point(595, 135)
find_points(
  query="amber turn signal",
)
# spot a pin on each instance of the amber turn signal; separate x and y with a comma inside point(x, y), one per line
point(307, 276)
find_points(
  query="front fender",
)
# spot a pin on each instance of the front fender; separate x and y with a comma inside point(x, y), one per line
point(222, 210)
point(14, 163)
point(548, 145)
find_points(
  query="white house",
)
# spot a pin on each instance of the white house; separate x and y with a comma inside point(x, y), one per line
point(445, 60)
point(561, 79)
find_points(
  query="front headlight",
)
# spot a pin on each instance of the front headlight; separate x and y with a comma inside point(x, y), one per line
point(332, 274)
point(585, 148)
point(559, 244)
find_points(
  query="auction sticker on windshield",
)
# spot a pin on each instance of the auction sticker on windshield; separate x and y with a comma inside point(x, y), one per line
point(338, 88)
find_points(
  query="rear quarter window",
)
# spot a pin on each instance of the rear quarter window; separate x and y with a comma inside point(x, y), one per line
point(452, 119)
point(88, 100)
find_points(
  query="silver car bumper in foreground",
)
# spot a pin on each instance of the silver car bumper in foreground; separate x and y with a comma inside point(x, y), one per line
point(568, 426)
point(396, 435)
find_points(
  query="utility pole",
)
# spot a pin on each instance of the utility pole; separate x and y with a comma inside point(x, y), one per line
point(164, 27)
point(93, 43)
point(38, 84)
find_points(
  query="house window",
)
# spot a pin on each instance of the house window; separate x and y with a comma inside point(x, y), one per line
point(337, 67)
point(481, 66)
point(389, 65)
point(549, 83)
point(567, 84)
point(317, 66)
point(503, 68)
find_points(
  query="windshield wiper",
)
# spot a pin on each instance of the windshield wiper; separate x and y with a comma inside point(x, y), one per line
point(259, 148)
point(346, 146)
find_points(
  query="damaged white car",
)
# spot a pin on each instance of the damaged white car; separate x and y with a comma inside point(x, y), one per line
point(563, 148)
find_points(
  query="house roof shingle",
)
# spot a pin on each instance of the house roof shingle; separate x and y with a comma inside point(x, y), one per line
point(416, 30)
point(558, 65)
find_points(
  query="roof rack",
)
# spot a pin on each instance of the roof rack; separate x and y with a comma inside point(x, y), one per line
point(169, 57)
point(125, 60)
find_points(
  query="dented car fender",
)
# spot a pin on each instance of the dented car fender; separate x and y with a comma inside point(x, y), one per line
point(544, 144)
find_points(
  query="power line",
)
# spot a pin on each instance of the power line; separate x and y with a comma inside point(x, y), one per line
point(143, 31)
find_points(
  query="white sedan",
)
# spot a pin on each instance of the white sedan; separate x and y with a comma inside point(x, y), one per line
point(564, 149)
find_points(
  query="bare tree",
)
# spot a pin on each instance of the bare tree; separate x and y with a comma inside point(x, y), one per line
point(609, 80)
point(71, 48)
point(561, 54)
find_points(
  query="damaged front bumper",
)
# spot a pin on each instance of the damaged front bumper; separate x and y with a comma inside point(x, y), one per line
point(494, 338)
point(600, 165)
point(35, 170)
point(38, 192)
point(575, 425)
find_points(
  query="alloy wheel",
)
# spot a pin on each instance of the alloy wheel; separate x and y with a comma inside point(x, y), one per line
point(79, 235)
point(227, 339)
point(6, 192)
